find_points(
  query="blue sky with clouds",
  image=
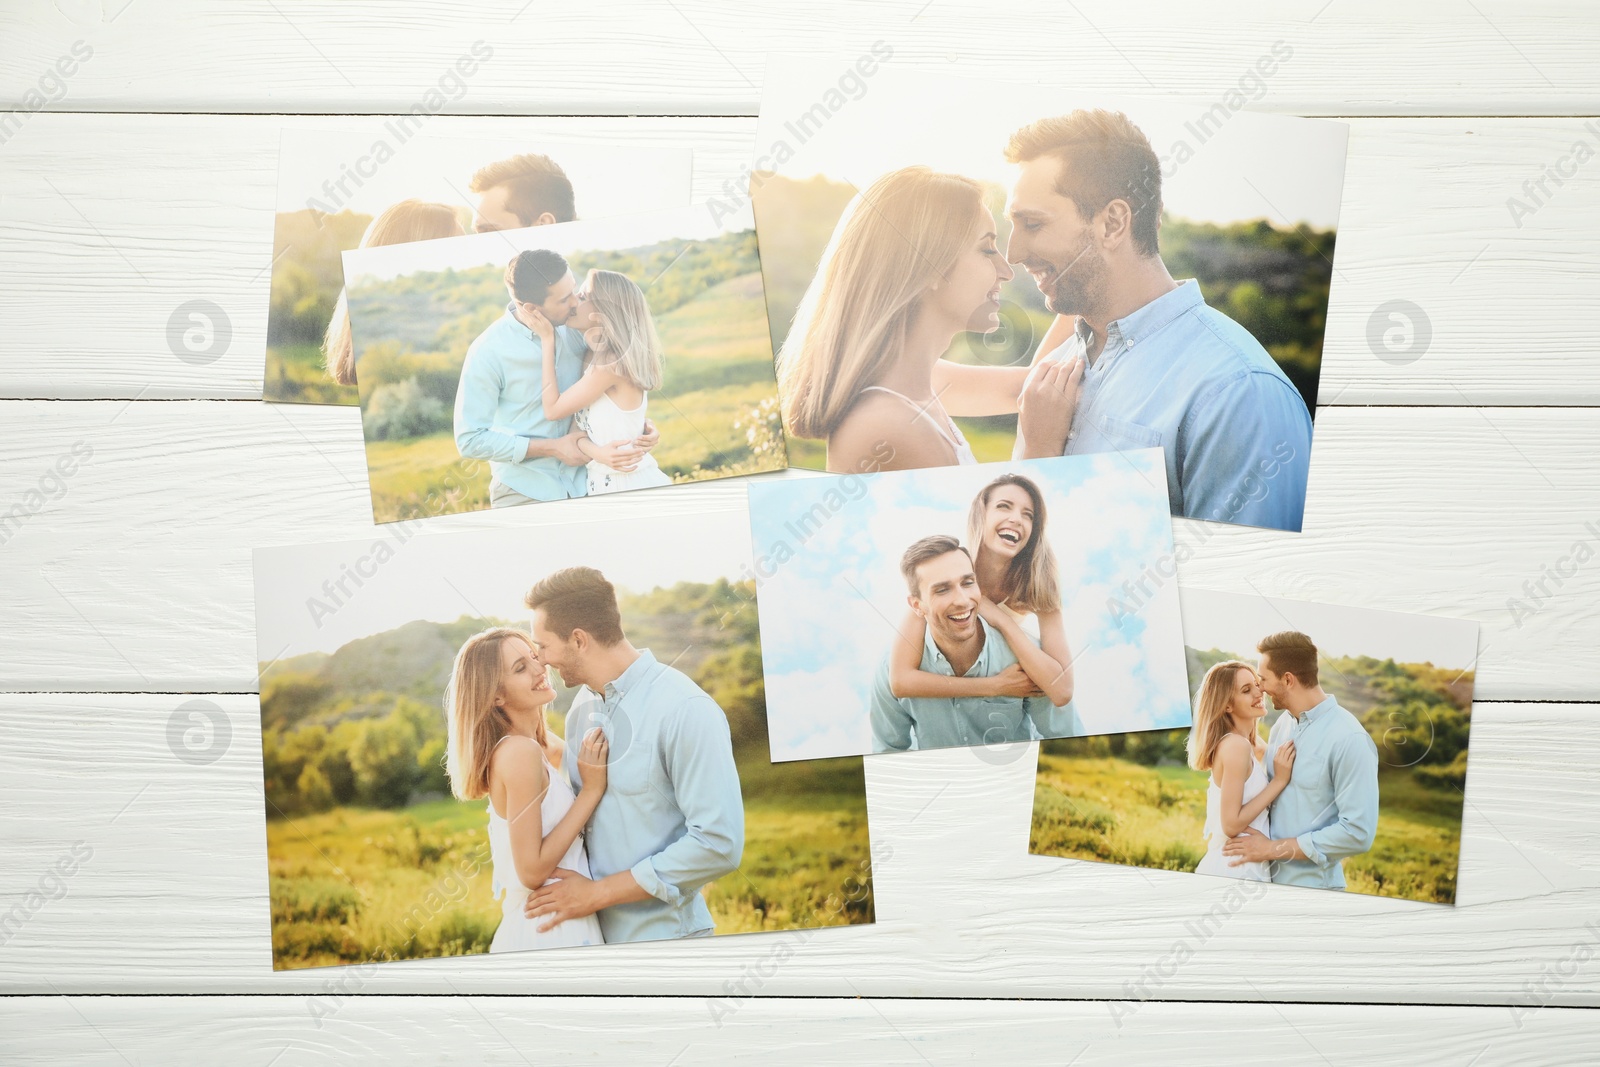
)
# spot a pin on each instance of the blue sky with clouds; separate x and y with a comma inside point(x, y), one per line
point(827, 557)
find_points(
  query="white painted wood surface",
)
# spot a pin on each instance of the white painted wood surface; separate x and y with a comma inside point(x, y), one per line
point(507, 1030)
point(1352, 57)
point(1438, 486)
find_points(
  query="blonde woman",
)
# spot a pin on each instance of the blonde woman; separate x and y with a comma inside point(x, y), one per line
point(1226, 740)
point(500, 748)
point(397, 224)
point(1019, 592)
point(912, 263)
point(622, 366)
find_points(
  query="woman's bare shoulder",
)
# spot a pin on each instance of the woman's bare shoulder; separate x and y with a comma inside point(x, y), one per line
point(517, 757)
point(885, 432)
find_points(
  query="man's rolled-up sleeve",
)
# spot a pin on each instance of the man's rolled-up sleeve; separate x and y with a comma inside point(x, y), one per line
point(1353, 765)
point(699, 760)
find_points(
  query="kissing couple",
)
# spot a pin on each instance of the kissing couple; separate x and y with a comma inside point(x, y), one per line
point(1291, 808)
point(609, 835)
point(981, 658)
point(562, 354)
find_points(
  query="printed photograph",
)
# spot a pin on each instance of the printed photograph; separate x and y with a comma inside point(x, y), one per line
point(976, 271)
point(1328, 750)
point(967, 606)
point(394, 181)
point(581, 358)
point(527, 739)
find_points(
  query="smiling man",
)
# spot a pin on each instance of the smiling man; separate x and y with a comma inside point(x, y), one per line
point(959, 643)
point(1160, 366)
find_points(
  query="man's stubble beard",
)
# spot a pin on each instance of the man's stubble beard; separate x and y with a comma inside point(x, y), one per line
point(1080, 289)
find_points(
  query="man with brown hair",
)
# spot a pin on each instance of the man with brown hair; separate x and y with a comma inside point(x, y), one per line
point(672, 818)
point(525, 190)
point(1158, 365)
point(1006, 705)
point(1329, 809)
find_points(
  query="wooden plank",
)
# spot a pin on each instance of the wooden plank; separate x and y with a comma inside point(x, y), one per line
point(702, 57)
point(172, 895)
point(134, 572)
point(109, 222)
point(677, 1030)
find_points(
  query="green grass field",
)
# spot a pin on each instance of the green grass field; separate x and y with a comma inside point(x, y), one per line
point(698, 441)
point(355, 884)
point(1118, 811)
point(294, 375)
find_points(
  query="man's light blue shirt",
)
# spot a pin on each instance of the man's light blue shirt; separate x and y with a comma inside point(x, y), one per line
point(500, 404)
point(1181, 374)
point(1330, 806)
point(673, 812)
point(900, 723)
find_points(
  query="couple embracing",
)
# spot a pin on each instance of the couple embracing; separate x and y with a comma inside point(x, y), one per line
point(1133, 358)
point(982, 656)
point(561, 355)
point(1291, 808)
point(610, 835)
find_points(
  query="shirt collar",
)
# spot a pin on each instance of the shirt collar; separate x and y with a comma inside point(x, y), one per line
point(636, 672)
point(929, 648)
point(523, 330)
point(1310, 715)
point(1137, 325)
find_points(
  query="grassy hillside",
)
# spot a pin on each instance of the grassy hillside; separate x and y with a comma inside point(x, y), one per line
point(1117, 811)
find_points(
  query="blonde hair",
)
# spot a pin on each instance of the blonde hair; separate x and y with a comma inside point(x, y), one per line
point(397, 224)
point(628, 340)
point(1212, 719)
point(1030, 582)
point(892, 242)
point(476, 723)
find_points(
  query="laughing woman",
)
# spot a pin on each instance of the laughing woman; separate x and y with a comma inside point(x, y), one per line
point(500, 748)
point(1020, 598)
point(912, 263)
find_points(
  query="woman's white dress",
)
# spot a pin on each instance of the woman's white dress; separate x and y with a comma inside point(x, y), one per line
point(605, 422)
point(518, 932)
point(1214, 862)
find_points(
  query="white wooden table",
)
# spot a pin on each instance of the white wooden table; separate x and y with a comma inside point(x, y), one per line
point(1439, 485)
